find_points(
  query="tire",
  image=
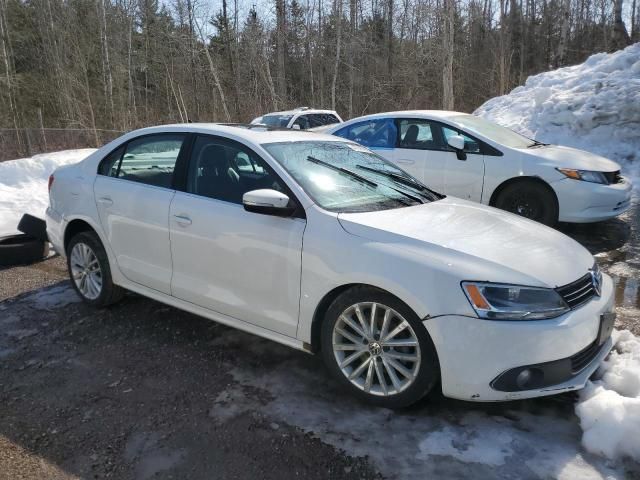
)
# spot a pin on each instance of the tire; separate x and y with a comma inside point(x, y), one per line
point(90, 272)
point(423, 371)
point(34, 227)
point(21, 250)
point(531, 200)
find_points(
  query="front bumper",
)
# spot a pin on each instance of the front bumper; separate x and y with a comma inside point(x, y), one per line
point(583, 202)
point(474, 352)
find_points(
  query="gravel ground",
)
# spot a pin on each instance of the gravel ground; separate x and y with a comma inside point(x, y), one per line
point(141, 390)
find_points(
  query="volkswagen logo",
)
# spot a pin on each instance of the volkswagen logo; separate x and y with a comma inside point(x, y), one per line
point(596, 280)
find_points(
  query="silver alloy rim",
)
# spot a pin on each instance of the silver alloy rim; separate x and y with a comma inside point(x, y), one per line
point(376, 349)
point(85, 271)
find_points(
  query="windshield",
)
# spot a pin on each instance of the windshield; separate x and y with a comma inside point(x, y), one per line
point(276, 120)
point(345, 177)
point(493, 131)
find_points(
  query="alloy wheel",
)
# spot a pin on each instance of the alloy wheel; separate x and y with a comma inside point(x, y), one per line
point(376, 349)
point(86, 271)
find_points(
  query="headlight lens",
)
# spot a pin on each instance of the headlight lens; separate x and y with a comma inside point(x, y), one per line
point(585, 175)
point(495, 301)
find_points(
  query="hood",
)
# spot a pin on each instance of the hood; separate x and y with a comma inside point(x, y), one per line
point(485, 242)
point(567, 157)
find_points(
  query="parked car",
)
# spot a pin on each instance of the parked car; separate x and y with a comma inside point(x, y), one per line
point(302, 118)
point(468, 157)
point(324, 246)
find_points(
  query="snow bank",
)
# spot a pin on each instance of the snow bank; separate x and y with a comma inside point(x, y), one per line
point(594, 106)
point(609, 408)
point(23, 185)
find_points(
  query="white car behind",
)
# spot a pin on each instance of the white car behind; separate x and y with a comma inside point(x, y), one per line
point(468, 157)
point(318, 243)
point(302, 118)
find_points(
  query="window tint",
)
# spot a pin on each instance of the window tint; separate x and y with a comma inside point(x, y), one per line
point(470, 145)
point(276, 120)
point(372, 133)
point(226, 170)
point(320, 119)
point(419, 134)
point(109, 165)
point(151, 159)
point(303, 122)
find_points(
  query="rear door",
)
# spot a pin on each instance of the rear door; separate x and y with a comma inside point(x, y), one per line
point(238, 263)
point(133, 191)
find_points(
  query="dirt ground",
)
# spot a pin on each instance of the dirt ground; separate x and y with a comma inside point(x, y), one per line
point(141, 390)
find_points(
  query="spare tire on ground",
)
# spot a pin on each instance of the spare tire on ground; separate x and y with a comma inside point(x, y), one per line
point(21, 250)
point(33, 226)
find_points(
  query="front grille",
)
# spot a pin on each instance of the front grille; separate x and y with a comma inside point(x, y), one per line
point(613, 177)
point(579, 292)
point(581, 359)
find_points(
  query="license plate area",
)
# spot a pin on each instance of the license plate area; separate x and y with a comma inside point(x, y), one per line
point(606, 326)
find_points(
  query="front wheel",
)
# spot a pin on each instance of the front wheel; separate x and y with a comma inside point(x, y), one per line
point(90, 272)
point(378, 348)
point(531, 200)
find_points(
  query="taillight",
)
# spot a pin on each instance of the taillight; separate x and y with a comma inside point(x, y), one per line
point(50, 182)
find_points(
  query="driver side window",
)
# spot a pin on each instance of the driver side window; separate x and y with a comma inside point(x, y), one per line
point(470, 145)
point(226, 170)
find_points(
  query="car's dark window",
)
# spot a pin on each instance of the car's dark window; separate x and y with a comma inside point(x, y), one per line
point(376, 133)
point(150, 160)
point(303, 122)
point(320, 119)
point(470, 145)
point(226, 170)
point(419, 134)
point(109, 165)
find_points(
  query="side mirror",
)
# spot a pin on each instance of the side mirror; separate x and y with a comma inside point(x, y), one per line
point(457, 143)
point(295, 126)
point(267, 202)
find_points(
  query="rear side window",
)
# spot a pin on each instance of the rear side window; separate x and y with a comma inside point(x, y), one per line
point(320, 119)
point(378, 133)
point(150, 160)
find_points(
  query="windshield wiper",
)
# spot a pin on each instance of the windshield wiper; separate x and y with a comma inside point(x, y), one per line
point(401, 179)
point(537, 144)
point(346, 171)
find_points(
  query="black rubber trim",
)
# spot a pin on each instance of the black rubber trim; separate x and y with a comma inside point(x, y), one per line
point(34, 227)
point(21, 250)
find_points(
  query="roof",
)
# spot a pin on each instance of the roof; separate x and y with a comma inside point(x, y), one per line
point(414, 113)
point(250, 133)
point(299, 110)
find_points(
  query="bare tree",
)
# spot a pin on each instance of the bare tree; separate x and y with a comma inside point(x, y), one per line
point(447, 48)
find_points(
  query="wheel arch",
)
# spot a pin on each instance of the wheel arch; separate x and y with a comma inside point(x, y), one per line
point(522, 179)
point(327, 300)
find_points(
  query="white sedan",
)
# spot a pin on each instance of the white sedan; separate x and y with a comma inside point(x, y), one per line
point(468, 157)
point(318, 243)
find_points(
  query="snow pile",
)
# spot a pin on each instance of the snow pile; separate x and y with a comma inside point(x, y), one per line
point(609, 408)
point(594, 106)
point(23, 185)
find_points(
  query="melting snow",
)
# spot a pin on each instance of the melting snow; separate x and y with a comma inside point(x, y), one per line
point(23, 185)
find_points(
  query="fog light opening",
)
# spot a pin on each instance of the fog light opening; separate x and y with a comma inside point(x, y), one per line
point(529, 378)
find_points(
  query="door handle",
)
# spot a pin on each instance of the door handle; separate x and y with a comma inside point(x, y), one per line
point(182, 220)
point(405, 161)
point(105, 201)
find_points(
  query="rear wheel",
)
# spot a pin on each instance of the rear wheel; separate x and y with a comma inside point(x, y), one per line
point(90, 272)
point(378, 348)
point(530, 200)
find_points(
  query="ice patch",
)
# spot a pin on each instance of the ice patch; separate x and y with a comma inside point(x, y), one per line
point(52, 298)
point(23, 185)
point(609, 408)
point(592, 106)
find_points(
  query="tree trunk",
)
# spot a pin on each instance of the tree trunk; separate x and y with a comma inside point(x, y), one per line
point(619, 36)
point(280, 48)
point(447, 48)
point(336, 65)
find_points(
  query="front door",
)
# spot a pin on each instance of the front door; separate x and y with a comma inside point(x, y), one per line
point(241, 264)
point(133, 191)
point(463, 178)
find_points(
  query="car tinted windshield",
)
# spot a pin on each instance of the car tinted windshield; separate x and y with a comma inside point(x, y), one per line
point(276, 120)
point(492, 131)
point(345, 177)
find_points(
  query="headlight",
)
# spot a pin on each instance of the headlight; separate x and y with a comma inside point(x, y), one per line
point(495, 301)
point(585, 175)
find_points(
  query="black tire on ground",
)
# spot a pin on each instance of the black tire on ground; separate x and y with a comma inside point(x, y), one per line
point(21, 249)
point(34, 227)
point(429, 370)
point(110, 293)
point(531, 200)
